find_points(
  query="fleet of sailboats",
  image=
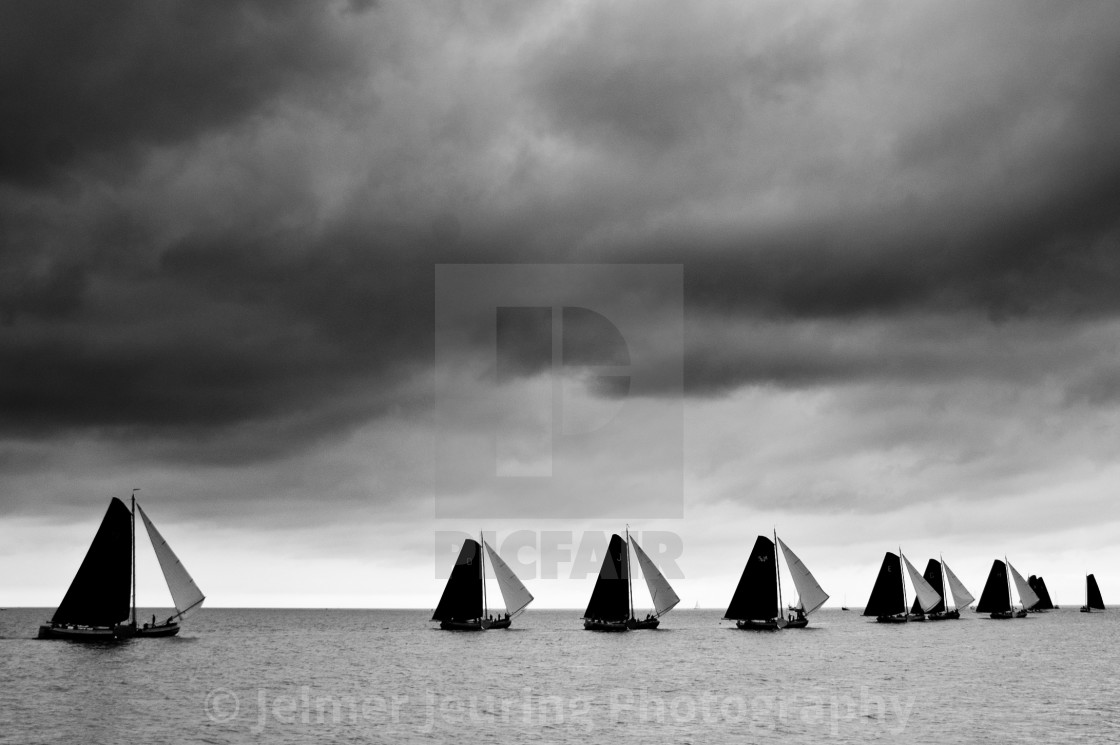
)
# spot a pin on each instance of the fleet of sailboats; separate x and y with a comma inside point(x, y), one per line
point(101, 602)
point(462, 607)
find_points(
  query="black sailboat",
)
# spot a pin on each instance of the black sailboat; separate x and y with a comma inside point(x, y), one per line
point(462, 607)
point(757, 602)
point(101, 602)
point(1038, 584)
point(1093, 599)
point(609, 607)
point(996, 598)
point(943, 581)
point(888, 597)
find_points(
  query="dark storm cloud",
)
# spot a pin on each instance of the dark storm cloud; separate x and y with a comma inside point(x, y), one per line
point(847, 168)
point(105, 80)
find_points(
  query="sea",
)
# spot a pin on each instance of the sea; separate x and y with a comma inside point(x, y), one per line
point(350, 676)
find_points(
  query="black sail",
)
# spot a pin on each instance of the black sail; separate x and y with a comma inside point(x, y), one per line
point(933, 576)
point(756, 597)
point(1094, 593)
point(610, 600)
point(462, 597)
point(100, 594)
point(887, 598)
point(996, 597)
point(1038, 584)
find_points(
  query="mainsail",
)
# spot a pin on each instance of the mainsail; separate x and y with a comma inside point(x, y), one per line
point(462, 597)
point(514, 594)
point(101, 590)
point(1026, 594)
point(927, 596)
point(996, 597)
point(756, 597)
point(610, 600)
point(810, 594)
point(961, 596)
point(932, 575)
point(184, 591)
point(664, 599)
point(1093, 593)
point(887, 597)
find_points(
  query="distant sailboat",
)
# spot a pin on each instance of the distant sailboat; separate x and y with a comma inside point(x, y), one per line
point(1093, 599)
point(961, 596)
point(810, 596)
point(664, 599)
point(101, 602)
point(462, 607)
point(888, 597)
point(996, 599)
point(1038, 584)
point(609, 607)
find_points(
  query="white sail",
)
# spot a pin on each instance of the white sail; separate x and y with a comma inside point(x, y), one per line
point(810, 594)
point(961, 596)
point(664, 599)
point(1027, 596)
point(184, 591)
point(927, 596)
point(514, 594)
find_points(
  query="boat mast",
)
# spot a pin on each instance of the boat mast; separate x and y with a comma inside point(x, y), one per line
point(1007, 576)
point(482, 569)
point(945, 589)
point(134, 557)
point(902, 579)
point(629, 580)
point(778, 574)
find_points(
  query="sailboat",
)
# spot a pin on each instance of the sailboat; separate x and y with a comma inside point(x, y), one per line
point(1038, 584)
point(757, 602)
point(996, 599)
point(462, 607)
point(1093, 599)
point(101, 602)
point(810, 596)
point(609, 607)
point(664, 599)
point(961, 596)
point(888, 597)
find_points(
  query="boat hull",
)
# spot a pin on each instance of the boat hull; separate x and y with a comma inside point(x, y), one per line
point(797, 623)
point(85, 633)
point(950, 615)
point(771, 624)
point(591, 625)
point(162, 630)
point(1001, 615)
point(649, 623)
point(897, 618)
point(477, 625)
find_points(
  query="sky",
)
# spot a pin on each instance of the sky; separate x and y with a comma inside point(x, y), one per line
point(862, 256)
